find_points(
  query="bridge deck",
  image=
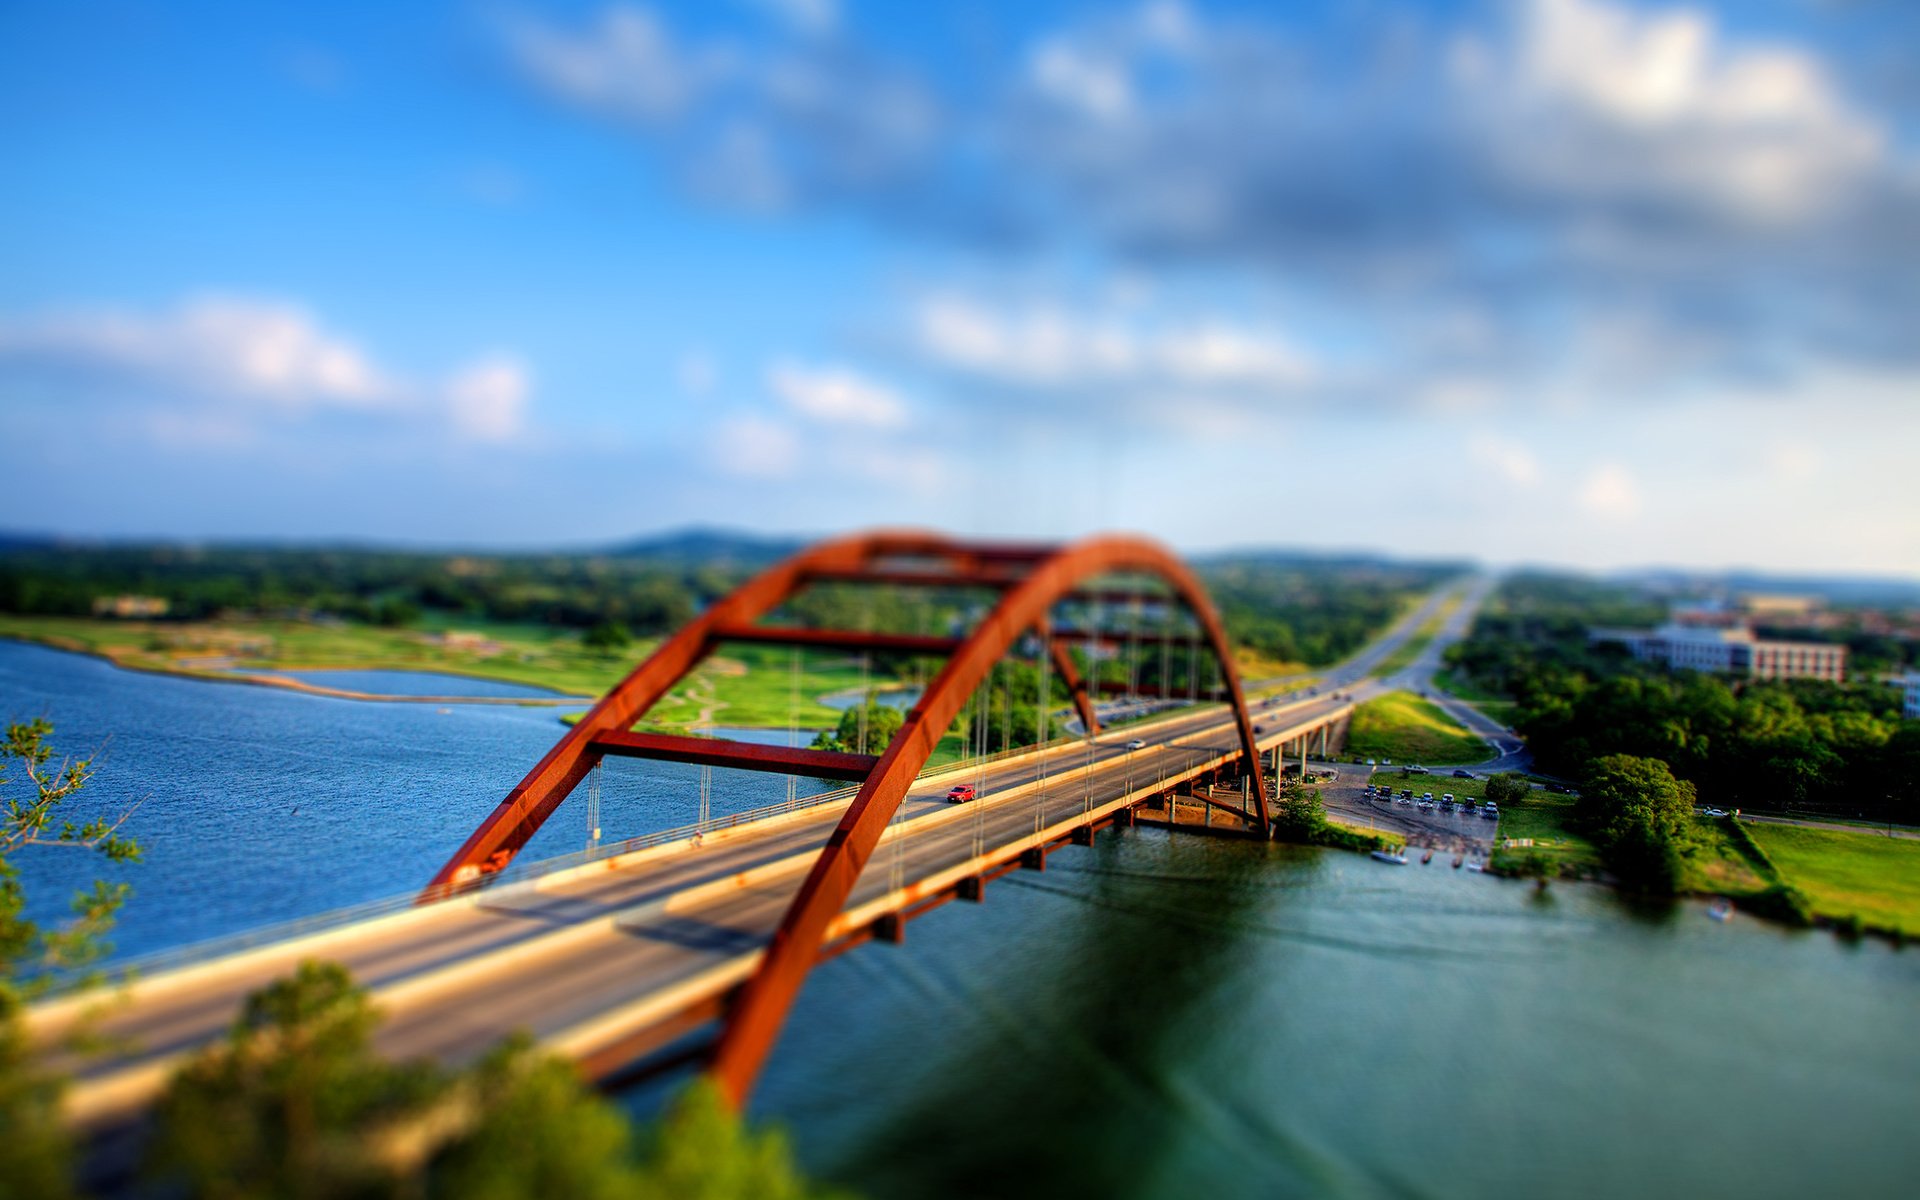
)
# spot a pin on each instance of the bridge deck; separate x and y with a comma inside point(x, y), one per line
point(606, 960)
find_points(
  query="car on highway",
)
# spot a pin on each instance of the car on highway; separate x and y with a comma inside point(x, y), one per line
point(960, 793)
point(1141, 743)
point(1417, 769)
point(1716, 812)
point(1465, 775)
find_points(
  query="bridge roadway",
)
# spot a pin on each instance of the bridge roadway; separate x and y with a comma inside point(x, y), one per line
point(616, 958)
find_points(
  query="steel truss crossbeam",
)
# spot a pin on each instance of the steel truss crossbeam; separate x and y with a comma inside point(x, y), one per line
point(1031, 580)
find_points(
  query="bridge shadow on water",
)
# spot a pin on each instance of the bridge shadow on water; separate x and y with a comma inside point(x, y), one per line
point(1065, 1009)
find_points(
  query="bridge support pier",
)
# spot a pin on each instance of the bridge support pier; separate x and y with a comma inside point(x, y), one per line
point(1034, 859)
point(890, 928)
point(1083, 836)
point(973, 887)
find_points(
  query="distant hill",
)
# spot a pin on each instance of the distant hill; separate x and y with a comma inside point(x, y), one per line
point(1881, 591)
point(715, 547)
point(10, 542)
point(1275, 556)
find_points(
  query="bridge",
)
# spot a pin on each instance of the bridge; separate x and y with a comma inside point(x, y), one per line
point(692, 947)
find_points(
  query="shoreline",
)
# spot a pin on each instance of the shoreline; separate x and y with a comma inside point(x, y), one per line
point(288, 683)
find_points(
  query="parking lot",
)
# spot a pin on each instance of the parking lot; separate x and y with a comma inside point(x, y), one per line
point(1463, 832)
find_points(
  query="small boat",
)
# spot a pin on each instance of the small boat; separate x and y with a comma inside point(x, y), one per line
point(1389, 856)
point(1458, 859)
point(1476, 865)
point(1426, 858)
point(1720, 908)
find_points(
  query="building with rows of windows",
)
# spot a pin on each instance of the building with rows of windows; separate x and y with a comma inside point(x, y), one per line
point(1728, 648)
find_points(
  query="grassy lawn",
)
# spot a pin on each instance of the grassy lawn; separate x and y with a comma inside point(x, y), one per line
point(1714, 865)
point(529, 654)
point(1547, 819)
point(1847, 874)
point(1254, 665)
point(752, 686)
point(1407, 729)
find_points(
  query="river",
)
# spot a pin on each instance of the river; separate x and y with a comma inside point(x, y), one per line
point(1157, 1016)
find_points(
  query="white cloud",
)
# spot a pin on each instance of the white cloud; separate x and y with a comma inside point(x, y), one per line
point(1072, 75)
point(836, 396)
point(1049, 347)
point(625, 65)
point(265, 351)
point(214, 369)
point(1608, 101)
point(1505, 458)
point(488, 400)
point(755, 448)
point(1610, 492)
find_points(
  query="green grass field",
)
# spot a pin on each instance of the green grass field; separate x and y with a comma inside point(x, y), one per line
point(1407, 729)
point(1547, 818)
point(750, 687)
point(1874, 877)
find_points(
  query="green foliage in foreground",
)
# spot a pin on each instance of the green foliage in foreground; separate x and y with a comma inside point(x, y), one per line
point(296, 1104)
point(34, 783)
point(1407, 729)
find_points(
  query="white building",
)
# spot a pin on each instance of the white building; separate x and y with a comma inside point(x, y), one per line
point(1728, 649)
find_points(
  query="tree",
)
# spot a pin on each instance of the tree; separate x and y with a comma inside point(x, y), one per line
point(608, 637)
point(296, 1103)
point(1298, 814)
point(34, 1149)
point(881, 722)
point(1508, 788)
point(289, 1105)
point(1639, 815)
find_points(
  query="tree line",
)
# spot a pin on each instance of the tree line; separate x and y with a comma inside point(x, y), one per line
point(1296, 611)
point(1800, 745)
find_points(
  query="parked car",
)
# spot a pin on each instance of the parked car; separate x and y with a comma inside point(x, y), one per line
point(960, 793)
point(1490, 810)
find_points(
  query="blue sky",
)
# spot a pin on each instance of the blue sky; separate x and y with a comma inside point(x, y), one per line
point(1583, 281)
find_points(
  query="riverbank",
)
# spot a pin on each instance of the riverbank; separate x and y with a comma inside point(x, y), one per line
point(753, 688)
point(1852, 881)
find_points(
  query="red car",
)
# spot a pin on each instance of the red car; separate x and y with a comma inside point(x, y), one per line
point(960, 793)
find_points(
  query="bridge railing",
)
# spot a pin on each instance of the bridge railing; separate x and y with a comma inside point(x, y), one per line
point(173, 958)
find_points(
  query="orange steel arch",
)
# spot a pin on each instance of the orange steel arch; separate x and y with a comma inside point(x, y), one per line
point(754, 1021)
point(1032, 580)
